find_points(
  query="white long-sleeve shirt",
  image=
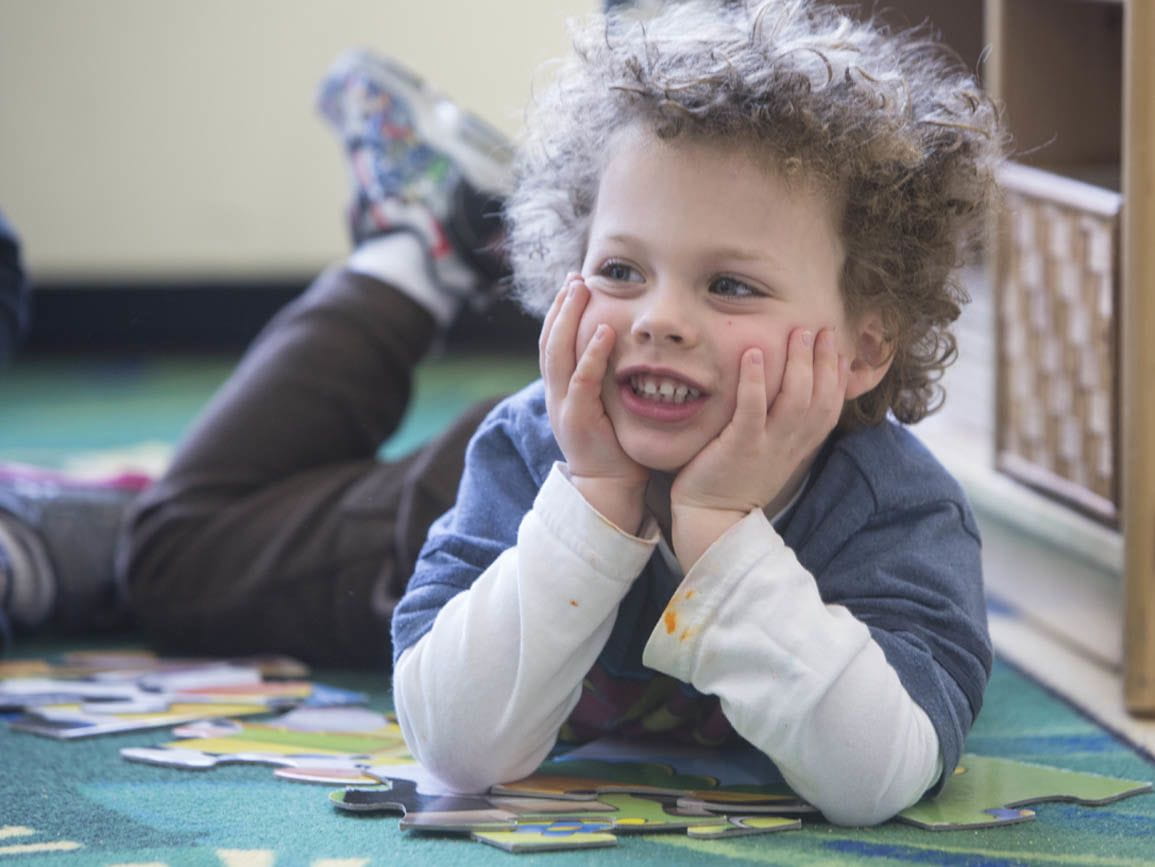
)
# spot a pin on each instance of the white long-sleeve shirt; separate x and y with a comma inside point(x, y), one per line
point(481, 697)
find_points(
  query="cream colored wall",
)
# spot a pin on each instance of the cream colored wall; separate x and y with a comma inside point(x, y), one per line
point(155, 139)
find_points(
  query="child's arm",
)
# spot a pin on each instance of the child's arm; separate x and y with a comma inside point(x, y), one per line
point(805, 682)
point(802, 681)
point(482, 695)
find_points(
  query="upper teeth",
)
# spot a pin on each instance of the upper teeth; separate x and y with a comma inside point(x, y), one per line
point(662, 389)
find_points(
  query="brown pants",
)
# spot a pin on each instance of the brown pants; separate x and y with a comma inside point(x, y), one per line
point(277, 529)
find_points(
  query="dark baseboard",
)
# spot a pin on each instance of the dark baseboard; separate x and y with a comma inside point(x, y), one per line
point(213, 317)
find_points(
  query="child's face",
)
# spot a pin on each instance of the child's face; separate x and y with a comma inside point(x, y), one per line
point(696, 254)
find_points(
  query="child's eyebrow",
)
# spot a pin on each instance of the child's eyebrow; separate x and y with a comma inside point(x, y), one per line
point(623, 238)
point(730, 253)
point(746, 254)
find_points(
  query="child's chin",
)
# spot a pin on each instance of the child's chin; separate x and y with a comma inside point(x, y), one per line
point(658, 460)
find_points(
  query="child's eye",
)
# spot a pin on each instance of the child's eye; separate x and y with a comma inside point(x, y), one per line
point(733, 288)
point(620, 272)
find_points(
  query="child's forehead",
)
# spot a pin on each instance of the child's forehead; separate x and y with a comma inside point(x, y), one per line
point(709, 199)
point(739, 151)
point(638, 142)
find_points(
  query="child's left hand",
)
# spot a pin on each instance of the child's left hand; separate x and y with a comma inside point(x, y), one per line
point(750, 462)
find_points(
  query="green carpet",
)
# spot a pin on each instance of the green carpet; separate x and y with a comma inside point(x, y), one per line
point(82, 795)
point(79, 803)
point(53, 408)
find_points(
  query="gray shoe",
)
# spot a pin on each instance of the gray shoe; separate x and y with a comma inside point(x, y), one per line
point(59, 541)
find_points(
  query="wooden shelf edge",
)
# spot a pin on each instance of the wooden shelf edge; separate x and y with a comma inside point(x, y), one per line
point(1138, 358)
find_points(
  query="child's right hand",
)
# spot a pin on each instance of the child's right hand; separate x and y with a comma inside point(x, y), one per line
point(612, 482)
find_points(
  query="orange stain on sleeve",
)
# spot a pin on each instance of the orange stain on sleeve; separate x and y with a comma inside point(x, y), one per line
point(671, 619)
point(574, 603)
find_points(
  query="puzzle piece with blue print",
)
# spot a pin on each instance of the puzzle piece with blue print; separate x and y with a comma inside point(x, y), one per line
point(987, 792)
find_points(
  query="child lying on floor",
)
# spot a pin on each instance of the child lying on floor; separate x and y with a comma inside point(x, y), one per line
point(702, 523)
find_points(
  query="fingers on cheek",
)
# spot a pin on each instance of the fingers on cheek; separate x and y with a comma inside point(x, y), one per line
point(826, 351)
point(591, 367)
point(754, 366)
point(751, 397)
point(798, 376)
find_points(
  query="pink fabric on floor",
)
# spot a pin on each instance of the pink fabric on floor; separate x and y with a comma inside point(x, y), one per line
point(128, 480)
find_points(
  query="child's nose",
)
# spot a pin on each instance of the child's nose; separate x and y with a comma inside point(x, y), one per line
point(665, 318)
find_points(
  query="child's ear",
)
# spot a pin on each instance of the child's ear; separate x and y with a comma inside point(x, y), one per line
point(873, 355)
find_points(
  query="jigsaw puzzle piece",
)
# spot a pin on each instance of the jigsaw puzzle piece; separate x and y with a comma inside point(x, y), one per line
point(333, 719)
point(18, 693)
point(164, 757)
point(427, 812)
point(986, 792)
point(767, 800)
point(341, 755)
point(209, 728)
point(548, 806)
point(332, 770)
point(638, 815)
point(744, 826)
point(329, 776)
point(70, 721)
point(233, 738)
point(264, 737)
point(553, 837)
point(621, 812)
point(583, 780)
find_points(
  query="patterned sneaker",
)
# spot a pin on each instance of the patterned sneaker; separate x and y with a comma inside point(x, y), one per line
point(420, 164)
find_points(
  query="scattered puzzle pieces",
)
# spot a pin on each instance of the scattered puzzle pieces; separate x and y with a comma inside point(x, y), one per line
point(82, 695)
point(293, 743)
point(541, 824)
point(589, 803)
point(583, 800)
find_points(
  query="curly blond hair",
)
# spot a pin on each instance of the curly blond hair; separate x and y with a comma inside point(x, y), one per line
point(892, 123)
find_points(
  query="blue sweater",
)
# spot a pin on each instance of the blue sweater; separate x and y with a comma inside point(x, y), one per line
point(882, 527)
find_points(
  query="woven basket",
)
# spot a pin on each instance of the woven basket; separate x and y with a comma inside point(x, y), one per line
point(1057, 285)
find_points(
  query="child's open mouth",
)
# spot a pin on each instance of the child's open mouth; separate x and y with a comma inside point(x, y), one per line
point(660, 396)
point(662, 389)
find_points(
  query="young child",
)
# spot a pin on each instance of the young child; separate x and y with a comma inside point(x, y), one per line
point(702, 523)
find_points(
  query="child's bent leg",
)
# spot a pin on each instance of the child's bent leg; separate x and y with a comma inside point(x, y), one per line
point(328, 380)
point(276, 528)
point(276, 523)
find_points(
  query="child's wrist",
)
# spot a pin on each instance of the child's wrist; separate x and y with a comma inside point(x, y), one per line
point(695, 528)
point(620, 501)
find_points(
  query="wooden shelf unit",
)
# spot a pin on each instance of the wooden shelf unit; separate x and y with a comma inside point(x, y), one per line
point(1077, 78)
